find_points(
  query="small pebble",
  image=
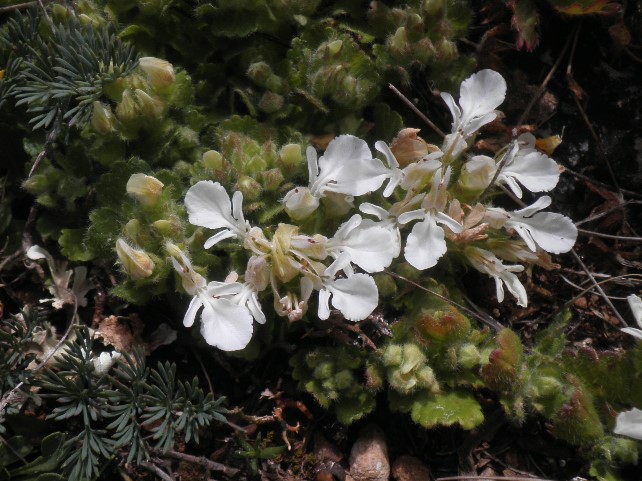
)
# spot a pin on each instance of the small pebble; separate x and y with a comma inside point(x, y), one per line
point(409, 468)
point(369, 456)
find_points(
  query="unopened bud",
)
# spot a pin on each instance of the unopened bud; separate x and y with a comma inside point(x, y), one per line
point(102, 118)
point(272, 179)
point(408, 147)
point(300, 203)
point(335, 47)
point(165, 228)
point(477, 173)
point(271, 102)
point(135, 262)
point(446, 49)
point(132, 229)
point(149, 106)
point(160, 73)
point(290, 155)
point(249, 187)
point(469, 356)
point(392, 355)
point(336, 204)
point(173, 250)
point(145, 188)
point(127, 109)
point(259, 72)
point(213, 160)
point(398, 43)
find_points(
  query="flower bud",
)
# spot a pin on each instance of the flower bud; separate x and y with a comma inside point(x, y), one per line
point(135, 262)
point(300, 203)
point(271, 102)
point(398, 42)
point(102, 118)
point(160, 73)
point(392, 355)
point(249, 187)
point(165, 228)
point(259, 72)
point(132, 229)
point(149, 106)
point(334, 47)
point(173, 250)
point(127, 109)
point(426, 378)
point(145, 188)
point(477, 173)
point(272, 179)
point(408, 147)
point(290, 155)
point(213, 160)
point(374, 378)
point(469, 356)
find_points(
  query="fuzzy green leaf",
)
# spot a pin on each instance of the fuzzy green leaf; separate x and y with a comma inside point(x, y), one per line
point(448, 409)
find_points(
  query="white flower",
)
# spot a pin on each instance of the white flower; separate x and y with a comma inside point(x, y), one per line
point(479, 96)
point(386, 220)
point(104, 362)
point(224, 323)
point(346, 167)
point(635, 303)
point(629, 423)
point(208, 205)
point(395, 174)
point(487, 263)
point(529, 167)
point(554, 233)
point(370, 245)
point(426, 242)
point(300, 203)
point(291, 305)
point(257, 278)
point(355, 296)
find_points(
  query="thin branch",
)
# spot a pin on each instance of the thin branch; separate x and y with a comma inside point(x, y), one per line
point(51, 138)
point(17, 6)
point(486, 320)
point(414, 108)
point(200, 461)
point(547, 79)
point(630, 193)
point(606, 212)
point(609, 236)
point(156, 470)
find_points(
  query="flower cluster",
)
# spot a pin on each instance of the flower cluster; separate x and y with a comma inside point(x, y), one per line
point(431, 203)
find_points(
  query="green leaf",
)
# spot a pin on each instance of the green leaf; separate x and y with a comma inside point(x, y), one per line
point(448, 409)
point(73, 246)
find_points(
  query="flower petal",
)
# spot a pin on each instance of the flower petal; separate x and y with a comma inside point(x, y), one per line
point(226, 325)
point(534, 170)
point(635, 303)
point(356, 296)
point(208, 205)
point(193, 308)
point(637, 333)
point(425, 244)
point(480, 94)
point(324, 304)
point(629, 423)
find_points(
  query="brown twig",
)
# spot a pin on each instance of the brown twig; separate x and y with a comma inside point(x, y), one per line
point(200, 461)
point(609, 236)
point(540, 90)
point(156, 470)
point(414, 108)
point(630, 193)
